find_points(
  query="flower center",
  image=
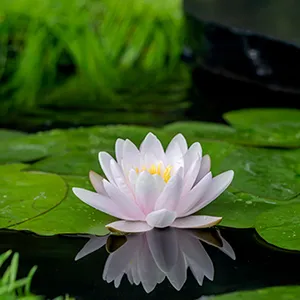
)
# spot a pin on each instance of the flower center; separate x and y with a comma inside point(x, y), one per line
point(157, 169)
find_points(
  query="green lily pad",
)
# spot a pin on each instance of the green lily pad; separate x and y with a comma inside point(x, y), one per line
point(281, 226)
point(6, 134)
point(261, 116)
point(55, 142)
point(25, 195)
point(279, 127)
point(237, 210)
point(71, 216)
point(204, 130)
point(264, 173)
point(70, 163)
point(278, 293)
point(285, 134)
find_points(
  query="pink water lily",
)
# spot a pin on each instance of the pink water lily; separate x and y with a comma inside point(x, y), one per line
point(151, 188)
point(149, 258)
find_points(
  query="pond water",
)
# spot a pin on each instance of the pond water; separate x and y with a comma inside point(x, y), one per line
point(256, 265)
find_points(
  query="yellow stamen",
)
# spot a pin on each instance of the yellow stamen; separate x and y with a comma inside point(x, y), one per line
point(156, 169)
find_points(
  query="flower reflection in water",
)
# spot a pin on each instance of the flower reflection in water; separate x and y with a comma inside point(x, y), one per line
point(148, 258)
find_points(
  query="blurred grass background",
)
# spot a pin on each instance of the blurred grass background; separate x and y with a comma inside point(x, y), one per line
point(65, 62)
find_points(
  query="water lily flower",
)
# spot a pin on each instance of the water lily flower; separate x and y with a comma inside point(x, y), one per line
point(149, 258)
point(151, 188)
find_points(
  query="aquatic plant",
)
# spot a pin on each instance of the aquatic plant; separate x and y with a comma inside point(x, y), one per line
point(11, 287)
point(91, 55)
point(151, 188)
point(260, 145)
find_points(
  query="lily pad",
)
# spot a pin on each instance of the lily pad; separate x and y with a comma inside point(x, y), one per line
point(285, 134)
point(237, 210)
point(71, 216)
point(55, 142)
point(280, 127)
point(281, 226)
point(6, 134)
point(278, 293)
point(264, 173)
point(261, 116)
point(70, 163)
point(25, 195)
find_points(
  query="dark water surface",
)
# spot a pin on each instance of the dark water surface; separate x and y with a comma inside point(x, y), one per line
point(256, 265)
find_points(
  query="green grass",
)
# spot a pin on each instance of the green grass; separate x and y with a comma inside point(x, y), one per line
point(12, 288)
point(91, 54)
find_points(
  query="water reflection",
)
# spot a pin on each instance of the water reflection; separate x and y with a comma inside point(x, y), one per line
point(148, 258)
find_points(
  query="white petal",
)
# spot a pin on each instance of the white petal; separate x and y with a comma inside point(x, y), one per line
point(193, 197)
point(170, 196)
point(105, 159)
point(163, 245)
point(120, 180)
point(148, 271)
point(97, 182)
point(197, 257)
point(227, 249)
point(191, 176)
point(128, 226)
point(151, 144)
point(205, 167)
point(196, 222)
point(160, 183)
point(119, 150)
point(146, 191)
point(194, 152)
point(177, 143)
point(218, 185)
point(99, 202)
point(161, 218)
point(132, 177)
point(118, 280)
point(177, 276)
point(127, 206)
point(131, 156)
point(91, 246)
point(118, 261)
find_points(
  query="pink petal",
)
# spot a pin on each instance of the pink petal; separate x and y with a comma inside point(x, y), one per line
point(119, 150)
point(161, 218)
point(128, 207)
point(191, 176)
point(120, 180)
point(91, 246)
point(131, 156)
point(99, 202)
point(151, 144)
point(97, 182)
point(105, 159)
point(170, 196)
point(128, 226)
point(218, 185)
point(197, 257)
point(163, 245)
point(118, 261)
point(193, 153)
point(196, 222)
point(177, 276)
point(146, 191)
point(204, 168)
point(193, 197)
point(177, 147)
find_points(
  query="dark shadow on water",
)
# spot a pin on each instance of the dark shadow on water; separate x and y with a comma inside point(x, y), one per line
point(256, 265)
